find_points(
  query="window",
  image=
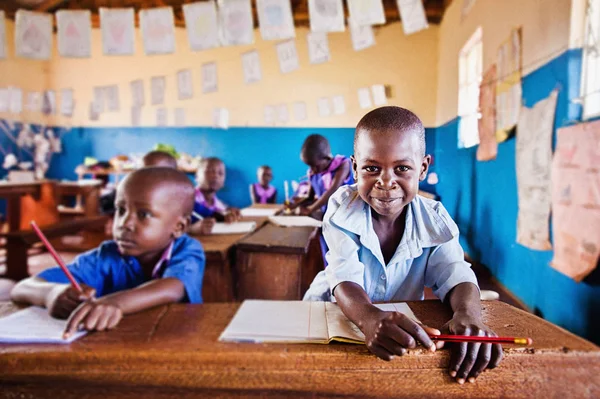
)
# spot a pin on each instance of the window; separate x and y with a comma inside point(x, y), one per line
point(469, 79)
point(590, 76)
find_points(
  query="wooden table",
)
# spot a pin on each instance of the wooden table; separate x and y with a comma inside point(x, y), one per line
point(173, 352)
point(14, 193)
point(277, 262)
point(87, 196)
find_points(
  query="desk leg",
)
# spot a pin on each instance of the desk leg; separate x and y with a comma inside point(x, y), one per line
point(13, 212)
point(16, 259)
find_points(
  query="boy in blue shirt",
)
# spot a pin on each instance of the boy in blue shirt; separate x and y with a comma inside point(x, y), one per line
point(149, 262)
point(386, 243)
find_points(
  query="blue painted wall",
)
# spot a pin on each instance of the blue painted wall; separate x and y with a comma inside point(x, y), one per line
point(482, 198)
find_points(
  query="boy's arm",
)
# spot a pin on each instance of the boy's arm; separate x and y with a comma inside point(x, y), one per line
point(34, 291)
point(338, 179)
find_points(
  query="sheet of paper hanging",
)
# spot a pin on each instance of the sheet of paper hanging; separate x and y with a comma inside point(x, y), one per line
point(201, 25)
point(412, 14)
point(488, 146)
point(236, 25)
point(117, 25)
point(534, 164)
point(326, 15)
point(3, 48)
point(74, 33)
point(576, 200)
point(275, 19)
point(33, 34)
point(158, 30)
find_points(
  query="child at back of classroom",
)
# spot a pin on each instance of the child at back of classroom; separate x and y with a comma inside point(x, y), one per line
point(263, 192)
point(149, 262)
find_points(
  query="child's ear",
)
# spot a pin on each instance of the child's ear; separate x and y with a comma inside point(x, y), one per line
point(182, 225)
point(354, 167)
point(425, 167)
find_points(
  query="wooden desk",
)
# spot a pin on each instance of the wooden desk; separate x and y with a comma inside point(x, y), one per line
point(172, 351)
point(88, 193)
point(14, 193)
point(275, 262)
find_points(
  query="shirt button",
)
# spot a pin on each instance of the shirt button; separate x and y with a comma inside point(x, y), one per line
point(383, 276)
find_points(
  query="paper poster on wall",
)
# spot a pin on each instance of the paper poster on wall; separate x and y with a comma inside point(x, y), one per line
point(275, 19)
point(117, 25)
point(508, 85)
point(379, 97)
point(300, 113)
point(94, 112)
point(179, 117)
point(34, 101)
point(210, 78)
point(283, 113)
point(251, 67)
point(158, 30)
point(366, 12)
point(488, 146)
point(136, 116)
point(534, 164)
point(99, 99)
point(288, 56)
point(33, 35)
point(4, 99)
point(201, 25)
point(16, 100)
point(74, 33)
point(3, 45)
point(157, 87)
point(324, 106)
point(318, 47)
point(364, 98)
point(576, 200)
point(185, 86)
point(412, 14)
point(326, 15)
point(339, 105)
point(112, 98)
point(49, 102)
point(137, 93)
point(221, 118)
point(67, 104)
point(269, 115)
point(161, 116)
point(362, 36)
point(236, 26)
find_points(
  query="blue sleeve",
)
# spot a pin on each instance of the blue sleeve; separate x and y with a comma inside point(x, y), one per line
point(187, 265)
point(201, 210)
point(86, 269)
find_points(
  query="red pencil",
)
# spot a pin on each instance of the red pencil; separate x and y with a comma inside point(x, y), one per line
point(483, 340)
point(56, 257)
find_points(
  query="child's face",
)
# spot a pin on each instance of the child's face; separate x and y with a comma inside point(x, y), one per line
point(265, 176)
point(388, 168)
point(212, 176)
point(316, 163)
point(146, 219)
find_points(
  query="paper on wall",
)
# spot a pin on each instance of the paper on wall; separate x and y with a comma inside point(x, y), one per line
point(251, 67)
point(364, 98)
point(185, 86)
point(339, 105)
point(157, 86)
point(318, 47)
point(275, 19)
point(117, 25)
point(74, 33)
point(366, 12)
point(283, 114)
point(324, 106)
point(221, 118)
point(99, 98)
point(49, 102)
point(34, 101)
point(179, 117)
point(136, 115)
point(16, 100)
point(3, 45)
point(379, 97)
point(94, 112)
point(161, 116)
point(158, 30)
point(67, 104)
point(362, 36)
point(326, 15)
point(236, 26)
point(269, 114)
point(112, 98)
point(412, 14)
point(4, 99)
point(488, 146)
point(201, 23)
point(33, 35)
point(288, 56)
point(300, 112)
point(137, 93)
point(209, 77)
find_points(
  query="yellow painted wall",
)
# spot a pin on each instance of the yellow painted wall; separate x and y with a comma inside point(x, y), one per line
point(545, 35)
point(408, 64)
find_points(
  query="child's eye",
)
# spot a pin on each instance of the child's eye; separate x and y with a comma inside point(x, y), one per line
point(144, 215)
point(402, 168)
point(120, 210)
point(371, 169)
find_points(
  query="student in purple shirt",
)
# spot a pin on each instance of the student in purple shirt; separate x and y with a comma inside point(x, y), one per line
point(263, 192)
point(150, 261)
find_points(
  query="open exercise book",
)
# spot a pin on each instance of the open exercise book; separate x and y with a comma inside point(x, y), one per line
point(295, 221)
point(34, 325)
point(297, 322)
point(233, 228)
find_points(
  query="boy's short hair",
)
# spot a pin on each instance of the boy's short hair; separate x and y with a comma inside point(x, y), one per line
point(264, 167)
point(159, 158)
point(208, 160)
point(315, 144)
point(179, 186)
point(392, 118)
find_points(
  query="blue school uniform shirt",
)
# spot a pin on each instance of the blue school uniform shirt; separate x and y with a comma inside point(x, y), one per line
point(429, 254)
point(107, 271)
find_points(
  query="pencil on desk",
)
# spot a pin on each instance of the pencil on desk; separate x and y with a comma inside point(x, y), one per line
point(483, 340)
point(197, 215)
point(56, 257)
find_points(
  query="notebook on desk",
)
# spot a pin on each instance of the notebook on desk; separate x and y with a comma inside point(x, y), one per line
point(233, 228)
point(34, 325)
point(258, 212)
point(263, 321)
point(295, 221)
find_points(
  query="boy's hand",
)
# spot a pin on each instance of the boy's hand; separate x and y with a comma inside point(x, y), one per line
point(94, 315)
point(390, 333)
point(305, 210)
point(232, 215)
point(64, 299)
point(206, 226)
point(468, 360)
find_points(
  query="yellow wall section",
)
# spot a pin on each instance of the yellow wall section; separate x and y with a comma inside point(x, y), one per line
point(407, 63)
point(545, 31)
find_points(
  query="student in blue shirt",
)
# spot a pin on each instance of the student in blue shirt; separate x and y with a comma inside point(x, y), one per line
point(150, 261)
point(386, 243)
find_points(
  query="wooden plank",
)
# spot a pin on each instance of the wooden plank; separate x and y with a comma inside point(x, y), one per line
point(271, 238)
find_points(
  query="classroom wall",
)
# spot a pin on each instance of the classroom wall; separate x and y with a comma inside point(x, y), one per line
point(482, 196)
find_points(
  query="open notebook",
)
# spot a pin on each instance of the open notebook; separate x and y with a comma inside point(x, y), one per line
point(259, 212)
point(34, 325)
point(233, 228)
point(297, 322)
point(295, 221)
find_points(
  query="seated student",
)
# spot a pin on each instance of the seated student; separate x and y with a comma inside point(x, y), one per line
point(150, 261)
point(386, 243)
point(210, 178)
point(159, 158)
point(263, 192)
point(326, 174)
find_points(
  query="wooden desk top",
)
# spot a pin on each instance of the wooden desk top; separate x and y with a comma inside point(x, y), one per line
point(272, 238)
point(173, 350)
point(8, 188)
point(217, 245)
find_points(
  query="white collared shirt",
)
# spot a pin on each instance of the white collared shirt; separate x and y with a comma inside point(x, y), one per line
point(429, 253)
